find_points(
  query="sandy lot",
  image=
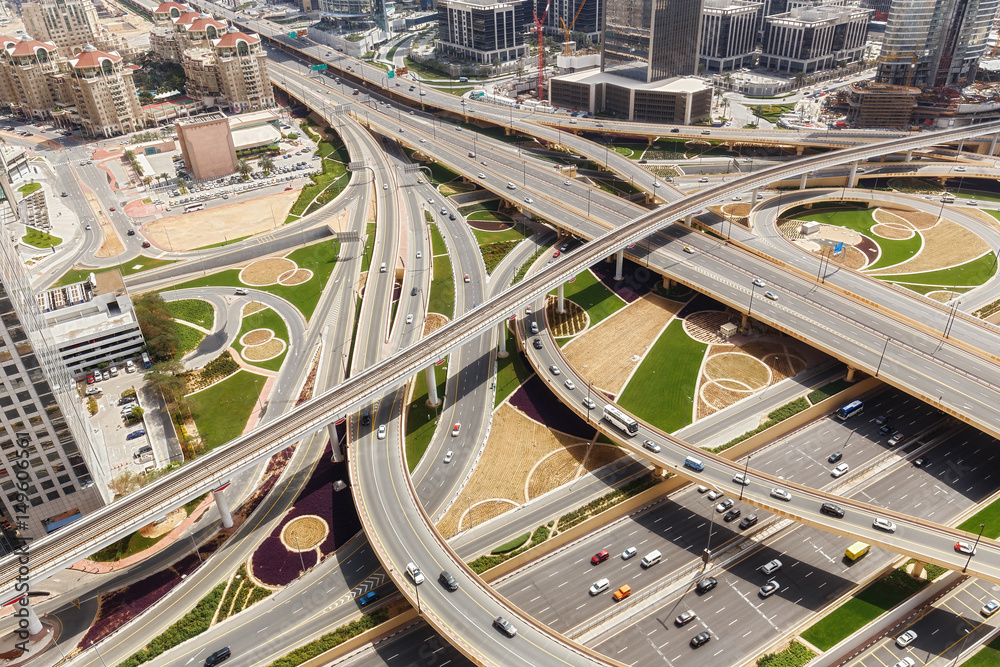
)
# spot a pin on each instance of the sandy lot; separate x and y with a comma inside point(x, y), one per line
point(268, 350)
point(893, 231)
point(572, 321)
point(630, 332)
point(188, 231)
point(946, 244)
point(266, 271)
point(733, 372)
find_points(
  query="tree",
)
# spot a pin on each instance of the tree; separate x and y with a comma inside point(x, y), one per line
point(267, 164)
point(244, 169)
point(165, 378)
point(181, 184)
point(129, 155)
point(146, 180)
point(125, 483)
point(165, 177)
point(157, 326)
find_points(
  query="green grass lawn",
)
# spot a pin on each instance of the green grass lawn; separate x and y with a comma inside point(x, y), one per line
point(970, 274)
point(142, 262)
point(488, 216)
point(222, 243)
point(366, 260)
point(893, 251)
point(188, 338)
point(442, 296)
point(590, 294)
point(469, 209)
point(862, 609)
point(193, 310)
point(437, 242)
point(28, 188)
point(40, 239)
point(514, 233)
point(988, 656)
point(989, 516)
point(125, 547)
point(494, 253)
point(334, 164)
point(265, 319)
point(441, 173)
point(221, 411)
point(511, 372)
point(420, 419)
point(661, 391)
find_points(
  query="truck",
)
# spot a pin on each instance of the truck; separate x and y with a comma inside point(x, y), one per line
point(947, 198)
point(856, 551)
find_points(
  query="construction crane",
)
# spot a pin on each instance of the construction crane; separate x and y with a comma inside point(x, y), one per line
point(541, 50)
point(566, 44)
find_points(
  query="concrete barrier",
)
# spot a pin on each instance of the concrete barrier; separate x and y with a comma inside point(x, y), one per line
point(368, 637)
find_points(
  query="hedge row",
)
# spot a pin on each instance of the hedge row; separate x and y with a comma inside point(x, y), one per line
point(796, 655)
point(227, 600)
point(191, 625)
point(333, 639)
point(594, 507)
point(515, 543)
point(775, 417)
point(828, 390)
point(493, 559)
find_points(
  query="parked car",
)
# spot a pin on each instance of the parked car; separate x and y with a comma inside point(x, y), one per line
point(732, 515)
point(135, 434)
point(906, 639)
point(748, 521)
point(724, 505)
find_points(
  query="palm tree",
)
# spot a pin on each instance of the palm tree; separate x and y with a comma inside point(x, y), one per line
point(147, 180)
point(267, 164)
point(165, 177)
point(181, 184)
point(244, 169)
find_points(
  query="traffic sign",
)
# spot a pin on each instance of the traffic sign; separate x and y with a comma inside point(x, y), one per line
point(391, 74)
point(319, 67)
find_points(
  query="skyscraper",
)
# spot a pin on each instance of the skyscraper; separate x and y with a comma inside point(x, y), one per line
point(69, 24)
point(40, 407)
point(934, 43)
point(651, 40)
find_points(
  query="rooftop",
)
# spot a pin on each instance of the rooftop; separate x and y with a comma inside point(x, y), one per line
point(677, 84)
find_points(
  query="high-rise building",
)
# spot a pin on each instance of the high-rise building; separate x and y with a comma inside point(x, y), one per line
point(105, 93)
point(483, 30)
point(27, 68)
point(729, 34)
point(934, 43)
point(651, 40)
point(584, 16)
point(69, 24)
point(40, 411)
point(814, 37)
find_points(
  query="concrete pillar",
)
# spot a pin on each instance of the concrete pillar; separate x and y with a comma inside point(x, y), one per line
point(220, 501)
point(802, 181)
point(561, 308)
point(619, 264)
point(688, 219)
point(799, 150)
point(852, 177)
point(503, 340)
point(331, 430)
point(753, 196)
point(659, 472)
point(744, 320)
point(961, 145)
point(916, 570)
point(993, 143)
point(909, 155)
point(34, 626)
point(850, 374)
point(432, 387)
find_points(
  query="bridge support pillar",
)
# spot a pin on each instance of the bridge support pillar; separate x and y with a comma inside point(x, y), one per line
point(753, 196)
point(916, 570)
point(619, 264)
point(993, 143)
point(561, 307)
point(688, 219)
point(502, 351)
point(659, 472)
point(34, 626)
point(961, 145)
point(744, 320)
point(432, 387)
point(852, 177)
point(850, 374)
point(799, 150)
point(219, 497)
point(909, 155)
point(802, 181)
point(331, 430)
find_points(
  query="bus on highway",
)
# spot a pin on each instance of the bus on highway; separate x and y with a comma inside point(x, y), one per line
point(197, 206)
point(851, 409)
point(620, 420)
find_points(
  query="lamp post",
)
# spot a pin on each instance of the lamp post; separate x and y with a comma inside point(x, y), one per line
point(884, 347)
point(753, 287)
point(711, 527)
point(951, 318)
point(973, 551)
point(746, 469)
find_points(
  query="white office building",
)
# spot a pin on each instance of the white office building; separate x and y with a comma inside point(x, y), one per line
point(728, 34)
point(812, 38)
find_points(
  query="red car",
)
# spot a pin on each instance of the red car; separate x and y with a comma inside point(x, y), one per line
point(599, 557)
point(90, 379)
point(112, 208)
point(288, 188)
point(555, 254)
point(145, 244)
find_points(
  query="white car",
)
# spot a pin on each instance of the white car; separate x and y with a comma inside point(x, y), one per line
point(589, 403)
point(628, 553)
point(780, 494)
point(529, 200)
point(714, 495)
point(381, 432)
point(907, 661)
point(409, 319)
point(769, 589)
point(242, 291)
point(906, 639)
point(569, 385)
point(565, 182)
point(771, 566)
point(884, 524)
point(771, 295)
point(448, 455)
point(840, 470)
point(482, 175)
point(419, 254)
point(724, 505)
point(415, 573)
point(741, 479)
point(554, 369)
point(759, 283)
point(599, 586)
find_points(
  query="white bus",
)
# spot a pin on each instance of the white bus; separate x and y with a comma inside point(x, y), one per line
point(620, 420)
point(851, 409)
point(197, 206)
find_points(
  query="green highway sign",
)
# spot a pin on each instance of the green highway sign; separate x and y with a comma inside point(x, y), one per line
point(319, 67)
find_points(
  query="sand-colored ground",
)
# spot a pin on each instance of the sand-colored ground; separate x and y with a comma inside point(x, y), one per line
point(216, 225)
point(266, 271)
point(257, 337)
point(704, 325)
point(919, 220)
point(892, 231)
point(515, 445)
point(296, 277)
point(834, 233)
point(734, 372)
point(433, 322)
point(304, 533)
point(984, 216)
point(946, 244)
point(629, 332)
point(572, 321)
point(268, 350)
point(252, 307)
point(163, 527)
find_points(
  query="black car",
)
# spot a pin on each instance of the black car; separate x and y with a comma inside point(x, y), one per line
point(885, 429)
point(707, 584)
point(700, 639)
point(748, 521)
point(836, 456)
point(366, 418)
point(921, 462)
point(674, 129)
point(881, 419)
point(217, 657)
point(537, 343)
point(732, 515)
point(413, 292)
point(448, 581)
point(832, 510)
point(131, 232)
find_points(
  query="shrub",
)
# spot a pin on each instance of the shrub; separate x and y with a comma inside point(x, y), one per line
point(796, 655)
point(775, 417)
point(515, 543)
point(333, 639)
point(826, 391)
point(221, 367)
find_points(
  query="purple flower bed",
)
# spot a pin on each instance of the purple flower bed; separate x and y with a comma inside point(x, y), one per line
point(274, 564)
point(637, 282)
point(535, 399)
point(120, 606)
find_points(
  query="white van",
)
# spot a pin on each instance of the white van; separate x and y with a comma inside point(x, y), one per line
point(511, 186)
point(381, 269)
point(651, 559)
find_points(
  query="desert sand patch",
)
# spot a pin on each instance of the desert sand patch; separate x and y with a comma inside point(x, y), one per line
point(252, 307)
point(564, 465)
point(918, 220)
point(266, 271)
point(732, 373)
point(892, 231)
point(257, 337)
point(630, 332)
point(704, 325)
point(946, 244)
point(569, 323)
point(268, 350)
point(304, 533)
point(433, 322)
point(296, 277)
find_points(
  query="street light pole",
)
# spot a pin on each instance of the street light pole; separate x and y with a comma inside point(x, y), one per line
point(746, 469)
point(753, 286)
point(884, 347)
point(973, 552)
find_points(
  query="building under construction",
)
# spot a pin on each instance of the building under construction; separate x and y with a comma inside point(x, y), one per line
point(871, 104)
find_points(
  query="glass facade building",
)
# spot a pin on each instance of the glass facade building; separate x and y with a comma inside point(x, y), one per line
point(651, 40)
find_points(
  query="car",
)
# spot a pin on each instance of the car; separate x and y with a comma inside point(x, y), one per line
point(990, 608)
point(129, 367)
point(415, 573)
point(907, 661)
point(724, 505)
point(556, 254)
point(93, 390)
point(448, 456)
point(674, 130)
point(430, 201)
point(500, 622)
point(771, 566)
point(145, 244)
point(599, 557)
point(90, 379)
point(467, 278)
point(628, 553)
point(684, 618)
point(906, 639)
point(422, 140)
point(409, 318)
point(651, 446)
point(884, 524)
point(537, 343)
point(748, 521)
point(840, 470)
point(737, 198)
point(732, 515)
point(589, 403)
point(965, 548)
point(106, 375)
point(448, 581)
point(135, 434)
point(896, 438)
point(884, 429)
point(689, 250)
point(130, 232)
point(400, 130)
point(114, 371)
point(769, 589)
point(780, 494)
point(419, 254)
point(367, 598)
point(527, 310)
point(444, 211)
point(741, 479)
point(702, 488)
point(554, 369)
point(456, 429)
point(413, 292)
point(482, 175)
point(565, 182)
point(569, 385)
point(832, 510)
point(706, 584)
point(715, 494)
point(529, 200)
point(881, 419)
point(700, 639)
point(759, 283)
point(703, 179)
point(960, 168)
point(836, 456)
point(381, 431)
point(623, 593)
point(921, 462)
point(219, 656)
point(771, 295)
point(656, 184)
point(112, 208)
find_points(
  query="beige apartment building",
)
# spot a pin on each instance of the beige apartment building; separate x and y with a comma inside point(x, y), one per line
point(30, 80)
point(69, 24)
point(105, 94)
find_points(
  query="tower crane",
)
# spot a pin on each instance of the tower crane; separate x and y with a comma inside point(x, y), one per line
point(566, 44)
point(541, 50)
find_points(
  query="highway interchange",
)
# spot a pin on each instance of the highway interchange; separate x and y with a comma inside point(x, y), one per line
point(375, 330)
